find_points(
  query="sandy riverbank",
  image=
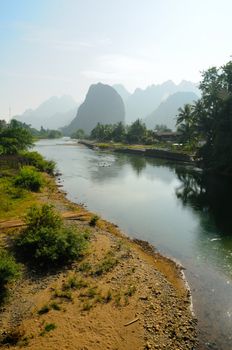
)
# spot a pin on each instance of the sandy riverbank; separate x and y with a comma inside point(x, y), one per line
point(140, 302)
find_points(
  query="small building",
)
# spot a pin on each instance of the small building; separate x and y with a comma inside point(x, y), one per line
point(171, 136)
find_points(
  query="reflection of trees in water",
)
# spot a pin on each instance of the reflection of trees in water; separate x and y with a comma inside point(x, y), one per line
point(191, 191)
point(207, 193)
point(138, 164)
point(106, 166)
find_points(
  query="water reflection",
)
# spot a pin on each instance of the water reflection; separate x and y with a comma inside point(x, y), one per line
point(138, 164)
point(183, 213)
point(208, 194)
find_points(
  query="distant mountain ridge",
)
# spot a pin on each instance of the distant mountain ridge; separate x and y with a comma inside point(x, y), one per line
point(144, 101)
point(101, 105)
point(122, 91)
point(57, 112)
point(167, 111)
point(52, 113)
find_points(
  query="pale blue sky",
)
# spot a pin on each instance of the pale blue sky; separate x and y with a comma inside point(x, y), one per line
point(55, 47)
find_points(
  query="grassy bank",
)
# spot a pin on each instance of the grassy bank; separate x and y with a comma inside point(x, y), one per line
point(161, 151)
point(119, 294)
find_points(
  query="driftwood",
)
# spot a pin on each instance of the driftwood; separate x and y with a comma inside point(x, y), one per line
point(19, 223)
point(133, 321)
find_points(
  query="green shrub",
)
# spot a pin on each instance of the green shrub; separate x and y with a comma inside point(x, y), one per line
point(130, 291)
point(29, 178)
point(87, 306)
point(63, 294)
point(93, 220)
point(74, 283)
point(44, 216)
point(38, 161)
point(107, 264)
point(55, 306)
point(9, 269)
point(48, 328)
point(44, 310)
point(45, 241)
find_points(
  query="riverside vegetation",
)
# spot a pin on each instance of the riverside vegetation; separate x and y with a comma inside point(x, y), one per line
point(204, 128)
point(79, 283)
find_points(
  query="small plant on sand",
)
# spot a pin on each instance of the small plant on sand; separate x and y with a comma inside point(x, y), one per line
point(48, 328)
point(44, 310)
point(107, 264)
point(87, 306)
point(93, 221)
point(74, 283)
point(130, 291)
point(63, 294)
point(85, 267)
point(55, 306)
point(117, 299)
point(46, 242)
point(108, 296)
point(90, 293)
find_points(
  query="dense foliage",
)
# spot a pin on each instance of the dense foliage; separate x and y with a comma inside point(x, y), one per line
point(29, 178)
point(132, 134)
point(37, 160)
point(9, 269)
point(78, 134)
point(207, 124)
point(46, 242)
point(14, 137)
point(46, 133)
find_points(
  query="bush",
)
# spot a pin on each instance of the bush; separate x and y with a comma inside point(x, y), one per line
point(93, 220)
point(9, 269)
point(37, 160)
point(29, 179)
point(45, 241)
point(44, 216)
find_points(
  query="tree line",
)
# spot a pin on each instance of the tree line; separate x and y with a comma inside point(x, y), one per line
point(16, 136)
point(136, 133)
point(206, 125)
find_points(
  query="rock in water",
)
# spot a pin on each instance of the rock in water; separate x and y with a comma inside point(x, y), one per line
point(102, 105)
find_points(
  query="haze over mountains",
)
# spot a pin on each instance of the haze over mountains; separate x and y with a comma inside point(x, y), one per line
point(143, 102)
point(52, 114)
point(157, 104)
point(166, 112)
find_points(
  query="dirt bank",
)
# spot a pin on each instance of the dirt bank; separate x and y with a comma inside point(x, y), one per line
point(125, 296)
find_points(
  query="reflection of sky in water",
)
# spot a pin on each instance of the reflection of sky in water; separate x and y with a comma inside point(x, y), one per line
point(139, 194)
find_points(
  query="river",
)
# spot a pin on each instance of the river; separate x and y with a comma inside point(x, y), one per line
point(183, 214)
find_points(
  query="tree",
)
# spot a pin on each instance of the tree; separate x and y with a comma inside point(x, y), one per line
point(102, 132)
point(186, 123)
point(119, 132)
point(210, 119)
point(78, 134)
point(136, 132)
point(54, 134)
point(14, 137)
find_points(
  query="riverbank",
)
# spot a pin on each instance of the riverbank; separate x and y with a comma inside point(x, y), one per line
point(141, 150)
point(138, 301)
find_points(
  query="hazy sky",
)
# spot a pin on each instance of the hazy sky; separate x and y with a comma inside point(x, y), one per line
point(55, 47)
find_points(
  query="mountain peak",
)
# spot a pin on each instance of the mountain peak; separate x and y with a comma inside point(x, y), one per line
point(102, 105)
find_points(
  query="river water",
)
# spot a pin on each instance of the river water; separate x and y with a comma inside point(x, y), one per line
point(176, 208)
